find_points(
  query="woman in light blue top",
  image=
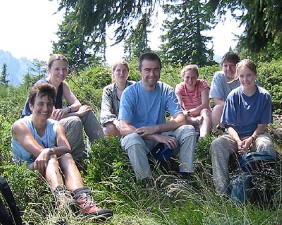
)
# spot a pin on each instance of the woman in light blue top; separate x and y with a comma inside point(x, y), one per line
point(42, 144)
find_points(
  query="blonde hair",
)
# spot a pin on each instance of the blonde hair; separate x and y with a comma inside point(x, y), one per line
point(247, 63)
point(55, 57)
point(122, 62)
point(192, 67)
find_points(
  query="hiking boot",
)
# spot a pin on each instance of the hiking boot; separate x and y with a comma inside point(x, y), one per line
point(61, 222)
point(61, 197)
point(86, 205)
point(147, 183)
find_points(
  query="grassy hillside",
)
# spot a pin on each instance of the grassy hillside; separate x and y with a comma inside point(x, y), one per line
point(107, 170)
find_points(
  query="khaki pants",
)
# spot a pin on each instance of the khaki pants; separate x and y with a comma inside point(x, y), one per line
point(74, 132)
point(221, 150)
point(137, 150)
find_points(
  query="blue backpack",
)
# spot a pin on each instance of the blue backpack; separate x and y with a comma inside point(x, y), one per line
point(162, 153)
point(251, 164)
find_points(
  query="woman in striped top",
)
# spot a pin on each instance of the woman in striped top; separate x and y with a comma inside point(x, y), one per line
point(193, 96)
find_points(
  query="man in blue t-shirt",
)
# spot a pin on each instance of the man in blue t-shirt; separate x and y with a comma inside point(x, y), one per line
point(222, 84)
point(143, 124)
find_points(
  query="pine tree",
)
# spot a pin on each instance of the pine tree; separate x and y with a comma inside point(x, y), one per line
point(4, 75)
point(184, 42)
point(138, 43)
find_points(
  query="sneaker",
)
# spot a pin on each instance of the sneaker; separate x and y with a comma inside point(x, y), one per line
point(86, 205)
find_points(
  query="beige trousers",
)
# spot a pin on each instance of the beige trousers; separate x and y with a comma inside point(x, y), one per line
point(74, 132)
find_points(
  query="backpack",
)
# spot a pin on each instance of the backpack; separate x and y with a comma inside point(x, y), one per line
point(253, 166)
point(8, 215)
point(162, 153)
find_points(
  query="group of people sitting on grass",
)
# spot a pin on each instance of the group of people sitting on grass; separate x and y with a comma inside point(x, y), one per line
point(49, 136)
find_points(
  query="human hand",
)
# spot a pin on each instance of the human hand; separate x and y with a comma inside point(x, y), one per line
point(186, 113)
point(197, 119)
point(146, 130)
point(244, 146)
point(83, 110)
point(169, 141)
point(58, 114)
point(193, 112)
point(41, 161)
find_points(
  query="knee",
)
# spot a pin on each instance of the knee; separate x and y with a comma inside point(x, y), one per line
point(186, 130)
point(130, 140)
point(217, 110)
point(110, 130)
point(214, 148)
point(53, 161)
point(76, 122)
point(205, 113)
point(218, 107)
point(72, 123)
point(66, 160)
point(66, 157)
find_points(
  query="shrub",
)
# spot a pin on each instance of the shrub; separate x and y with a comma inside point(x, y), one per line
point(270, 77)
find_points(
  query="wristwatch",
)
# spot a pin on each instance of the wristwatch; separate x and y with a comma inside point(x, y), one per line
point(69, 107)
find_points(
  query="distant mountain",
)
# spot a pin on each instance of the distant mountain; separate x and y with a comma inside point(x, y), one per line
point(16, 68)
point(217, 58)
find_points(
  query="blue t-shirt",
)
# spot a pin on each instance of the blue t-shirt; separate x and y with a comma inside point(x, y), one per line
point(244, 113)
point(220, 88)
point(48, 140)
point(148, 108)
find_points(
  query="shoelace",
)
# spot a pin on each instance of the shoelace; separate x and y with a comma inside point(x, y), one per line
point(85, 201)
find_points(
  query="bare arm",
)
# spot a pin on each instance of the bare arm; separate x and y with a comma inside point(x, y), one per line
point(261, 128)
point(75, 104)
point(62, 142)
point(22, 134)
point(126, 128)
point(205, 103)
point(218, 101)
point(180, 101)
point(70, 97)
point(153, 132)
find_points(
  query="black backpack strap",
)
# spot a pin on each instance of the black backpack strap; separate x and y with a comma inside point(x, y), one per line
point(12, 217)
point(5, 217)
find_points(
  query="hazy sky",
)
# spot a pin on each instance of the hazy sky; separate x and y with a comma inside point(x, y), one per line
point(29, 26)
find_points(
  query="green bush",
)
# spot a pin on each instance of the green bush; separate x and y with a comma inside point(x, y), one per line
point(270, 77)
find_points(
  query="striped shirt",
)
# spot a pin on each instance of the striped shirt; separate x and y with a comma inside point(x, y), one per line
point(191, 99)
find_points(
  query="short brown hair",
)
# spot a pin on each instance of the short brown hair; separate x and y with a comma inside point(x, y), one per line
point(151, 56)
point(230, 57)
point(42, 90)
